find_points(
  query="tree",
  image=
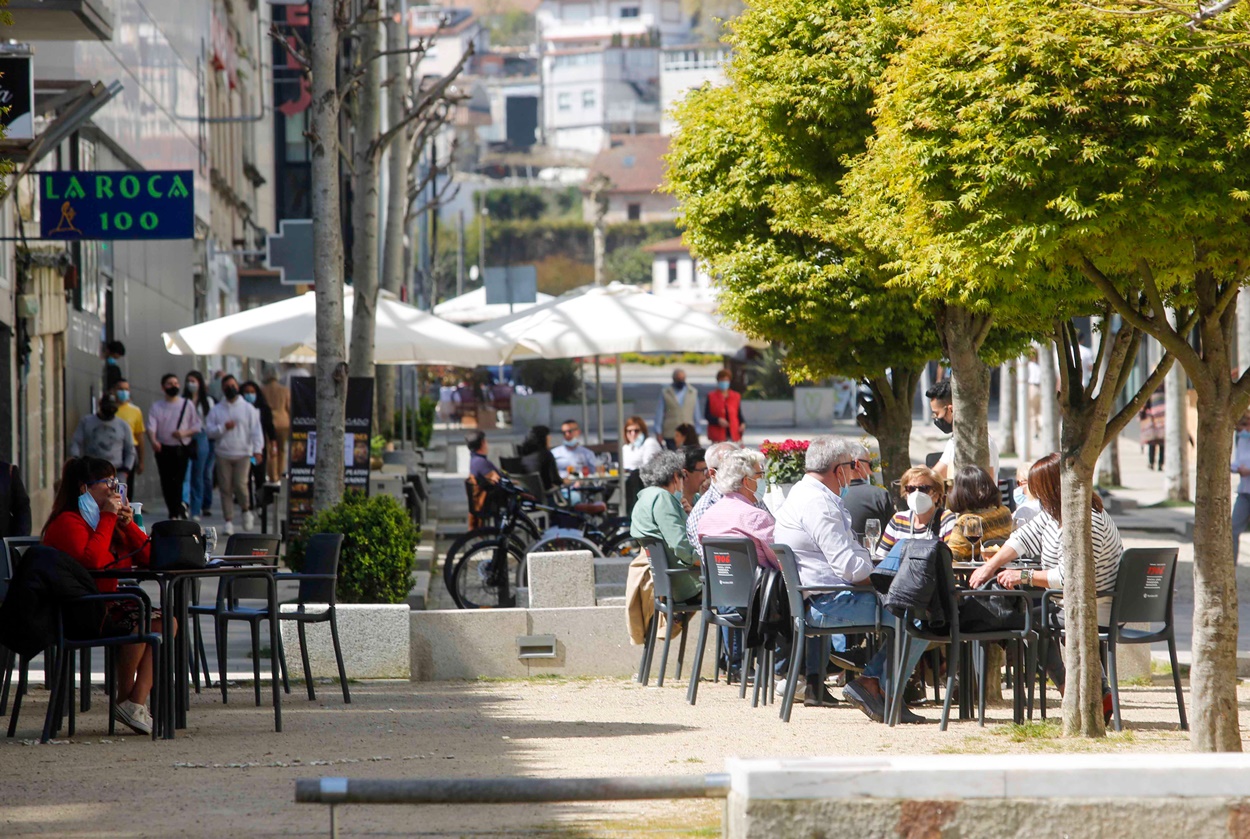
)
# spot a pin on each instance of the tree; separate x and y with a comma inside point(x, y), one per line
point(394, 262)
point(1029, 142)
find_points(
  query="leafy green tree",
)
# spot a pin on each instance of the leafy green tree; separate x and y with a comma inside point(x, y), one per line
point(1022, 144)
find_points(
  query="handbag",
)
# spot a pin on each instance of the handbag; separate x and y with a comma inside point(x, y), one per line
point(177, 546)
point(990, 614)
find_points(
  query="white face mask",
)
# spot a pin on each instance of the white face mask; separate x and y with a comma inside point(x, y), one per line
point(919, 502)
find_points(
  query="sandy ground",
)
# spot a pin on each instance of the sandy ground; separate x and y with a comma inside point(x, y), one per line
point(229, 774)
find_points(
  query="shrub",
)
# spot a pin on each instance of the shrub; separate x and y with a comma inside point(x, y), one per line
point(378, 547)
point(557, 376)
point(426, 410)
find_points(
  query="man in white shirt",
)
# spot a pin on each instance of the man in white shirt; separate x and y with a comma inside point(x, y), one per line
point(817, 528)
point(235, 426)
point(571, 453)
point(943, 409)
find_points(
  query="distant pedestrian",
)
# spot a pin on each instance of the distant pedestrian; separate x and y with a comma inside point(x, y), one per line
point(1153, 428)
point(278, 396)
point(723, 410)
point(254, 396)
point(197, 487)
point(106, 436)
point(1241, 466)
point(114, 352)
point(214, 385)
point(235, 425)
point(14, 503)
point(679, 405)
point(173, 422)
point(128, 411)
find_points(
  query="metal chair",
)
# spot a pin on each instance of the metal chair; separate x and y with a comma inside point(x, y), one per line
point(14, 548)
point(662, 591)
point(729, 596)
point(795, 594)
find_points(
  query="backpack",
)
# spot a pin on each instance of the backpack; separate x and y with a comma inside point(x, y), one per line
point(44, 580)
point(177, 546)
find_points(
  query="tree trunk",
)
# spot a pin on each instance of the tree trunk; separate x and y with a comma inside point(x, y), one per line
point(1175, 434)
point(365, 176)
point(890, 422)
point(393, 267)
point(1050, 403)
point(1213, 674)
point(1007, 409)
point(1082, 699)
point(328, 263)
point(970, 388)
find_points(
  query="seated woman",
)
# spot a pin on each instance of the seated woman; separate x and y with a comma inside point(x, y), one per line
point(686, 435)
point(90, 522)
point(536, 457)
point(925, 517)
point(1042, 537)
point(740, 480)
point(639, 447)
point(976, 496)
point(657, 514)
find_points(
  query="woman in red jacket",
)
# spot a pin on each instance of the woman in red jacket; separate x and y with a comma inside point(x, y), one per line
point(91, 523)
point(724, 411)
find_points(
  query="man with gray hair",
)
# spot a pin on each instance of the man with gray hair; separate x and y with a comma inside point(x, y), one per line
point(816, 527)
point(713, 457)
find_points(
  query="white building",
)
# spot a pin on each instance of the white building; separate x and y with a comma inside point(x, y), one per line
point(451, 32)
point(684, 68)
point(590, 93)
point(676, 275)
point(634, 168)
point(568, 24)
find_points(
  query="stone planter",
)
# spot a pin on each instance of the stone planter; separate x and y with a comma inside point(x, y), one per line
point(813, 407)
point(776, 495)
point(768, 413)
point(375, 638)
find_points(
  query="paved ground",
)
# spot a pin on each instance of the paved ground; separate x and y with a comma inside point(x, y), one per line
point(229, 774)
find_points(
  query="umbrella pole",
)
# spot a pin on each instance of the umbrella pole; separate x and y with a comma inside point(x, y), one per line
point(599, 399)
point(620, 437)
point(581, 374)
point(403, 426)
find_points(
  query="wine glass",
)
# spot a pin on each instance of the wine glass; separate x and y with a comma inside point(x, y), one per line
point(210, 541)
point(973, 532)
point(872, 533)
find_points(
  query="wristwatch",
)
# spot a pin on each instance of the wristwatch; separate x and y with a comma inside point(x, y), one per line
point(1026, 577)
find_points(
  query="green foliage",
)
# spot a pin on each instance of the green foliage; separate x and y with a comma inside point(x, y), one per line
point(515, 203)
point(767, 377)
point(377, 444)
point(378, 547)
point(557, 376)
point(512, 28)
point(666, 359)
point(627, 265)
point(424, 416)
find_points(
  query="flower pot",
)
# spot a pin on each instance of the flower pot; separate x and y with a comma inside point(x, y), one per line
point(776, 495)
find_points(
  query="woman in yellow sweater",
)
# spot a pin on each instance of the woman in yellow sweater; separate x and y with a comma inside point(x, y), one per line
point(976, 496)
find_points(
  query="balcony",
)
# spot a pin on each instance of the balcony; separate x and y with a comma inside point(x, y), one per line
point(60, 20)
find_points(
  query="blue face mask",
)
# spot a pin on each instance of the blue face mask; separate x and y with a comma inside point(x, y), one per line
point(123, 396)
point(89, 509)
point(574, 443)
point(722, 385)
point(112, 361)
point(250, 397)
point(1243, 435)
point(1020, 496)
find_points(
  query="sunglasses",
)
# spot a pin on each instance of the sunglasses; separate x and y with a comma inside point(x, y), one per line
point(633, 431)
point(925, 488)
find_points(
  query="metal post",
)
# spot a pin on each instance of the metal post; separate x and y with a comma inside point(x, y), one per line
point(620, 437)
point(599, 400)
point(581, 375)
point(460, 253)
point(334, 823)
point(403, 425)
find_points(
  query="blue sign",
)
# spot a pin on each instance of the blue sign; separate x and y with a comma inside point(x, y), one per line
point(117, 205)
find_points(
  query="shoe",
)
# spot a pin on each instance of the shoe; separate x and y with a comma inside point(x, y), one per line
point(206, 512)
point(907, 717)
point(817, 696)
point(228, 529)
point(872, 706)
point(845, 663)
point(1107, 709)
point(915, 693)
point(135, 716)
point(249, 521)
point(196, 519)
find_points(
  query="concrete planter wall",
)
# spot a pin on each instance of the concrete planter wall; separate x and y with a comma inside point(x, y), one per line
point(768, 412)
point(813, 406)
point(375, 638)
point(530, 410)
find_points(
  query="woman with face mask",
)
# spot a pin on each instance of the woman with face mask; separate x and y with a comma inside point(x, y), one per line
point(91, 523)
point(925, 516)
point(254, 396)
point(658, 514)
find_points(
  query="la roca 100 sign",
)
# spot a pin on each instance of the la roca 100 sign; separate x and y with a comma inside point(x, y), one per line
point(117, 205)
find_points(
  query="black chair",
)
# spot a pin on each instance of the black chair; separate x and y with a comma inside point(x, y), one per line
point(662, 591)
point(238, 544)
point(952, 635)
point(511, 465)
point(14, 547)
point(795, 594)
point(729, 597)
point(317, 584)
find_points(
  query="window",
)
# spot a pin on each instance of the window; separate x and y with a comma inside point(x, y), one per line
point(672, 271)
point(634, 212)
point(294, 140)
point(588, 98)
point(629, 11)
point(564, 101)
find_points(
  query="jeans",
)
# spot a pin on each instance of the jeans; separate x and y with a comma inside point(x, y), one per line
point(197, 486)
point(854, 608)
point(1241, 519)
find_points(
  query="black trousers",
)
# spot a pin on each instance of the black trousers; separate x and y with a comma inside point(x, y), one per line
point(171, 465)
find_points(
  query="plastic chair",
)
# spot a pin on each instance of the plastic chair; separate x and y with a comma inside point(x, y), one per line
point(662, 573)
point(795, 594)
point(728, 601)
point(14, 547)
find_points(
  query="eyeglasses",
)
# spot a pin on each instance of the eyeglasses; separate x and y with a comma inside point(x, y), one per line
point(111, 483)
point(925, 488)
point(633, 431)
point(568, 432)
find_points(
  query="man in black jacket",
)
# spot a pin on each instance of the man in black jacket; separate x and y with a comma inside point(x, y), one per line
point(14, 503)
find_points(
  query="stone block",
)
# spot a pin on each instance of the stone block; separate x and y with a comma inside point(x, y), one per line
point(814, 406)
point(374, 638)
point(561, 579)
point(768, 413)
point(467, 643)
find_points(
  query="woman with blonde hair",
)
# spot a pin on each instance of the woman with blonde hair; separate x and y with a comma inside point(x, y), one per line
point(925, 517)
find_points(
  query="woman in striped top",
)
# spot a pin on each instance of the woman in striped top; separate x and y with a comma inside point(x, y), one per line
point(1043, 537)
point(925, 516)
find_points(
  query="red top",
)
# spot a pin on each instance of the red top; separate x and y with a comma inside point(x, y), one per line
point(724, 405)
point(98, 548)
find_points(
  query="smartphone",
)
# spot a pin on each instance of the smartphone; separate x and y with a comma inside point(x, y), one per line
point(121, 488)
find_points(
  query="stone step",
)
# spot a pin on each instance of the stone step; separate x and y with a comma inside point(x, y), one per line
point(612, 569)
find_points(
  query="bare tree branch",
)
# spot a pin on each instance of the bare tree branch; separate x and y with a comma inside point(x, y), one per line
point(423, 101)
point(295, 54)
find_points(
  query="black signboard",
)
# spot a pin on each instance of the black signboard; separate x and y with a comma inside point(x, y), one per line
point(112, 206)
point(304, 443)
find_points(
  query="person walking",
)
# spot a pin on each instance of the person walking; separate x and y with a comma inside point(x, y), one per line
point(235, 426)
point(197, 487)
point(278, 396)
point(252, 394)
point(114, 352)
point(14, 503)
point(1153, 428)
point(130, 412)
point(679, 405)
point(173, 423)
point(106, 436)
point(1241, 467)
point(723, 410)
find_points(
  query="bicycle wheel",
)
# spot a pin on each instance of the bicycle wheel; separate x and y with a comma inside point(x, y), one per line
point(622, 544)
point(464, 541)
point(476, 581)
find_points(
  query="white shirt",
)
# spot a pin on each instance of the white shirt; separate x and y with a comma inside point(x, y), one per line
point(1241, 458)
point(948, 457)
point(579, 457)
point(1087, 363)
point(1035, 373)
point(817, 528)
point(245, 439)
point(634, 456)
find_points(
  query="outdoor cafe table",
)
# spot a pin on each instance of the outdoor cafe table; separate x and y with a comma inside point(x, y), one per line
point(172, 694)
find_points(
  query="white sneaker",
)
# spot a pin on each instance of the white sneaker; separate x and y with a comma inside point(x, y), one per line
point(196, 518)
point(134, 715)
point(229, 528)
point(249, 521)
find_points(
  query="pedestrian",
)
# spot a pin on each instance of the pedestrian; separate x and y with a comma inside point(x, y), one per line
point(114, 352)
point(1151, 420)
point(278, 396)
point(106, 436)
point(14, 503)
point(130, 412)
point(173, 423)
point(1241, 466)
point(679, 405)
point(253, 395)
point(1034, 372)
point(197, 487)
point(214, 385)
point(723, 410)
point(943, 409)
point(235, 425)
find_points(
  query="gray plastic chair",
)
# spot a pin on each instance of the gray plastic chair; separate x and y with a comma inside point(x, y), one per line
point(662, 591)
point(728, 602)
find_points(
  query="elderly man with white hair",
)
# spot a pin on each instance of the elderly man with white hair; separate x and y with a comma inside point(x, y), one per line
point(713, 457)
point(740, 481)
point(817, 527)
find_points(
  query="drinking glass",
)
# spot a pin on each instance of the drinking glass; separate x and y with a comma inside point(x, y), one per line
point(210, 541)
point(973, 532)
point(872, 532)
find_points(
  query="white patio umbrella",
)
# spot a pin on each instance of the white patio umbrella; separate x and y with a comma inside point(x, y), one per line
point(471, 307)
point(287, 331)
